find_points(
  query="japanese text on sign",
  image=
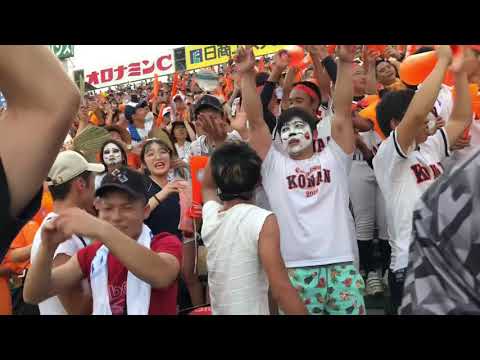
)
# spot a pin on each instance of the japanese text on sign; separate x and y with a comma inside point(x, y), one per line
point(202, 56)
point(132, 71)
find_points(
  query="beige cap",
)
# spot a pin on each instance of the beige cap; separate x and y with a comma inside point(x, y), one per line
point(70, 164)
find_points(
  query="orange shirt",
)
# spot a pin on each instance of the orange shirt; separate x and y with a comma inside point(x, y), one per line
point(24, 238)
point(5, 297)
point(46, 206)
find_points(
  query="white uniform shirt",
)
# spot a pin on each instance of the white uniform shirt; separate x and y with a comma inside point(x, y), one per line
point(200, 148)
point(403, 178)
point(236, 279)
point(53, 306)
point(311, 200)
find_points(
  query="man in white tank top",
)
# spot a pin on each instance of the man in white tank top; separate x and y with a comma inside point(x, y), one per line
point(242, 240)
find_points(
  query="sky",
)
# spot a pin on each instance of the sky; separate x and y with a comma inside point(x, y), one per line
point(95, 56)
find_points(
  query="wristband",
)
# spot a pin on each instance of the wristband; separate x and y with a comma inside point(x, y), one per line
point(156, 198)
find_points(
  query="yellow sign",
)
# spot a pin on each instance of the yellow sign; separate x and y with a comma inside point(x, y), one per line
point(202, 56)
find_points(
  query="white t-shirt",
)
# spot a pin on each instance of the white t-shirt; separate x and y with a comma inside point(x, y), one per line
point(53, 306)
point(98, 180)
point(372, 140)
point(311, 200)
point(143, 133)
point(236, 279)
point(200, 148)
point(183, 150)
point(403, 178)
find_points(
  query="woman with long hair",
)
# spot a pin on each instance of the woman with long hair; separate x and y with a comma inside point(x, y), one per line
point(112, 156)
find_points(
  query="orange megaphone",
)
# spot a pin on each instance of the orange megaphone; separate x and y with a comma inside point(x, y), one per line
point(197, 164)
point(416, 68)
point(296, 55)
point(370, 113)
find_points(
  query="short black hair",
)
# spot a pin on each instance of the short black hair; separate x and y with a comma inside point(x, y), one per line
point(312, 86)
point(393, 105)
point(236, 171)
point(292, 112)
point(60, 192)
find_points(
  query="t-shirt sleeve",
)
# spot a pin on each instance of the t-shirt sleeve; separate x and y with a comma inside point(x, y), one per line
point(167, 244)
point(210, 208)
point(68, 247)
point(437, 145)
point(342, 157)
point(271, 162)
point(387, 157)
point(85, 257)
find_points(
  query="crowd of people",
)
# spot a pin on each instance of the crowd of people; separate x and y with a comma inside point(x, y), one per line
point(312, 164)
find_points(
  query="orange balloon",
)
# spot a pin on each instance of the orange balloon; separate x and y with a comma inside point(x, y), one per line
point(296, 55)
point(197, 164)
point(415, 68)
point(370, 113)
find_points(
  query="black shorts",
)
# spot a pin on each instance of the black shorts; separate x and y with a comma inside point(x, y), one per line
point(10, 226)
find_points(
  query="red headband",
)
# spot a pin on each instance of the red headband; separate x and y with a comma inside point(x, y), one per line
point(307, 90)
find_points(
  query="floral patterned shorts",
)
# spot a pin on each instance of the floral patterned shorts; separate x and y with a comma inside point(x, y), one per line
point(335, 289)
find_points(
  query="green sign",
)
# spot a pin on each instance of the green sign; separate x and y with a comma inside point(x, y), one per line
point(79, 78)
point(62, 51)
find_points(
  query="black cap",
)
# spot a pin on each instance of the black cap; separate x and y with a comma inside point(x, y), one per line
point(127, 180)
point(131, 108)
point(207, 101)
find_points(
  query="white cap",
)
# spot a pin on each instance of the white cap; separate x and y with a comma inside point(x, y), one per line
point(68, 165)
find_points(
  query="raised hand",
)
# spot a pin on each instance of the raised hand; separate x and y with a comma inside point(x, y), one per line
point(214, 130)
point(346, 53)
point(320, 51)
point(245, 60)
point(77, 221)
point(445, 52)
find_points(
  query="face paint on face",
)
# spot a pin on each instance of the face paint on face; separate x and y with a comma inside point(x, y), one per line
point(112, 155)
point(296, 136)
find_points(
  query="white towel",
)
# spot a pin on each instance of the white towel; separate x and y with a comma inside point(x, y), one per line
point(138, 291)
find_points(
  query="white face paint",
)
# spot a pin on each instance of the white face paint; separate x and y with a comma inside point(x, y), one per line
point(112, 154)
point(296, 136)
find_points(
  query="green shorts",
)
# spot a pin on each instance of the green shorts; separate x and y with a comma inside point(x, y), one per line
point(335, 289)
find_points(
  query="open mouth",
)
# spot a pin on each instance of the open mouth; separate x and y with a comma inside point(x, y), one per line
point(159, 165)
point(294, 142)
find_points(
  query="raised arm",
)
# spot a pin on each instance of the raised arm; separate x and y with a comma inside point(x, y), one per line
point(260, 138)
point(424, 100)
point(369, 64)
point(342, 127)
point(461, 116)
point(318, 53)
point(287, 87)
point(42, 103)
